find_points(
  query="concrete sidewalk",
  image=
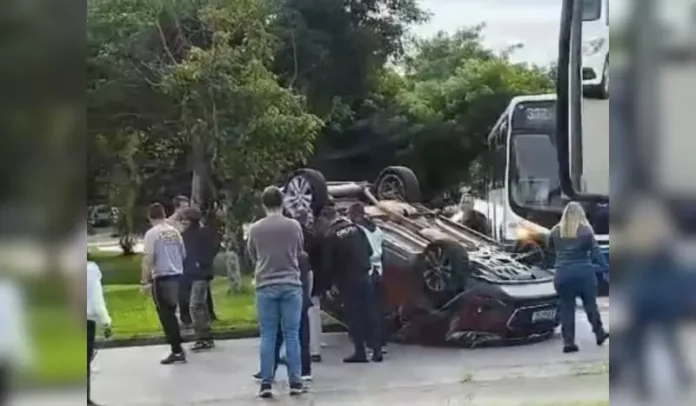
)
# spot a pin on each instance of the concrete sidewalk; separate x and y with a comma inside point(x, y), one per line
point(410, 375)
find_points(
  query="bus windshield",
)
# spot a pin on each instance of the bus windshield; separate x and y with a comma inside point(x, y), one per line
point(591, 10)
point(534, 180)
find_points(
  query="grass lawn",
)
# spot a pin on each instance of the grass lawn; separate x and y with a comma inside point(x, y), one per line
point(134, 314)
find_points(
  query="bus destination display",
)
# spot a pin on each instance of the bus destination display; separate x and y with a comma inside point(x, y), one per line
point(534, 116)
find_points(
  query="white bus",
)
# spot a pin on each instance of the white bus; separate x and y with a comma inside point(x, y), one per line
point(595, 48)
point(523, 198)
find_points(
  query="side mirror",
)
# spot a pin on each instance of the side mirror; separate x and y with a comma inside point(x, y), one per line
point(569, 95)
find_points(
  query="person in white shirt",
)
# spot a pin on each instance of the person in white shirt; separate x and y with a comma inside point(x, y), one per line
point(356, 213)
point(97, 314)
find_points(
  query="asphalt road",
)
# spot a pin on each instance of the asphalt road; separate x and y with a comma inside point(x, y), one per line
point(410, 375)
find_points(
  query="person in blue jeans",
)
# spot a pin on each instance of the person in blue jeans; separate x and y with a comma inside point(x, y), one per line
point(274, 246)
point(574, 247)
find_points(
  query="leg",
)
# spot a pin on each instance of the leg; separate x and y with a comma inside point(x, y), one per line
point(291, 314)
point(588, 294)
point(304, 345)
point(91, 333)
point(315, 325)
point(566, 292)
point(669, 331)
point(165, 296)
point(279, 358)
point(199, 311)
point(184, 301)
point(211, 306)
point(353, 313)
point(268, 315)
point(378, 309)
point(370, 321)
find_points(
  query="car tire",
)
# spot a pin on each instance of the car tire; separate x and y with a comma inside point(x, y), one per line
point(305, 189)
point(443, 269)
point(398, 183)
point(601, 91)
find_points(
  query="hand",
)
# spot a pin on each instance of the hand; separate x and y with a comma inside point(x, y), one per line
point(107, 332)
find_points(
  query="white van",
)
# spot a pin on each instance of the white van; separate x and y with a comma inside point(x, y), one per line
point(595, 49)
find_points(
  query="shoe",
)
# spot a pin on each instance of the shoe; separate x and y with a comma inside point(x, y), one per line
point(297, 388)
point(91, 403)
point(316, 358)
point(257, 376)
point(567, 349)
point(356, 359)
point(266, 391)
point(202, 346)
point(306, 378)
point(174, 358)
point(602, 337)
point(377, 356)
point(283, 361)
point(384, 350)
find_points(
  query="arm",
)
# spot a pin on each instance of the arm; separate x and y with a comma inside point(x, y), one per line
point(251, 247)
point(148, 263)
point(98, 297)
point(551, 248)
point(596, 253)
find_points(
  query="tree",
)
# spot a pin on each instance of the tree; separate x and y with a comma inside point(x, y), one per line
point(456, 89)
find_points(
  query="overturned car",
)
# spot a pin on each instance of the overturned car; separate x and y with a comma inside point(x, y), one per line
point(446, 284)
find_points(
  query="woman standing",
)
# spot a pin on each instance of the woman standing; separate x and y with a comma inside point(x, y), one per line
point(573, 244)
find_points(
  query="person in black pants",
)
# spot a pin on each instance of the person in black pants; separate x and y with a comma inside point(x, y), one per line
point(347, 253)
point(306, 357)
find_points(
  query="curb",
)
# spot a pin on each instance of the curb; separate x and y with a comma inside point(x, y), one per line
point(189, 337)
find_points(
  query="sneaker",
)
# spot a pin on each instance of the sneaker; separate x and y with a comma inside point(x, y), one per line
point(316, 358)
point(266, 391)
point(297, 388)
point(174, 358)
point(257, 376)
point(203, 346)
point(306, 378)
point(356, 359)
point(602, 337)
point(567, 349)
point(377, 356)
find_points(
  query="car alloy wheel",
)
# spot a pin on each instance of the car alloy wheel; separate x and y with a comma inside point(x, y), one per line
point(391, 187)
point(438, 273)
point(298, 197)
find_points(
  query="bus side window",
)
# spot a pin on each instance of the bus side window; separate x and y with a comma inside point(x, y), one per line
point(499, 166)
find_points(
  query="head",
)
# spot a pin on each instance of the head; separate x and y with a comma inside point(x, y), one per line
point(329, 213)
point(181, 203)
point(573, 217)
point(191, 217)
point(272, 200)
point(155, 213)
point(356, 213)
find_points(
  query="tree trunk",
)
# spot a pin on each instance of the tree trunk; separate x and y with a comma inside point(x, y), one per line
point(200, 171)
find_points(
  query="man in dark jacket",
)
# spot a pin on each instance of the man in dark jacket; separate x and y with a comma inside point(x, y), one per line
point(346, 253)
point(201, 245)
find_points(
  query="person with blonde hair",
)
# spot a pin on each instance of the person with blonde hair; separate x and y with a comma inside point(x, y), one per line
point(572, 243)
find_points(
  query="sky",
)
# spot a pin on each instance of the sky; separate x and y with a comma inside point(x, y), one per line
point(535, 23)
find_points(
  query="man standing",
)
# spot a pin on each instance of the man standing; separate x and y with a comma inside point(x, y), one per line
point(274, 245)
point(201, 247)
point(176, 220)
point(347, 254)
point(356, 213)
point(162, 267)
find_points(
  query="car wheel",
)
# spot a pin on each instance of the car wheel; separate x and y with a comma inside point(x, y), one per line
point(305, 190)
point(603, 89)
point(530, 253)
point(398, 183)
point(444, 270)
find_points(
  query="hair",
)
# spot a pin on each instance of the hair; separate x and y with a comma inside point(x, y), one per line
point(192, 214)
point(356, 212)
point(572, 219)
point(155, 212)
point(272, 198)
point(180, 199)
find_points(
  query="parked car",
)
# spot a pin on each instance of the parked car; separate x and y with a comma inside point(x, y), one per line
point(446, 284)
point(100, 215)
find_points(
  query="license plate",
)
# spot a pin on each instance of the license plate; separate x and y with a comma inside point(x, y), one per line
point(544, 315)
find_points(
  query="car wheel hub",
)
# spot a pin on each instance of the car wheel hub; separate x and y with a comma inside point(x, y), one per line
point(391, 188)
point(438, 273)
point(298, 197)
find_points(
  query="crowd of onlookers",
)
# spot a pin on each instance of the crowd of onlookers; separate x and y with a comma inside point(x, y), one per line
point(295, 261)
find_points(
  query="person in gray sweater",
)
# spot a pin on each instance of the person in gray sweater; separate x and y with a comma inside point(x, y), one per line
point(274, 246)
